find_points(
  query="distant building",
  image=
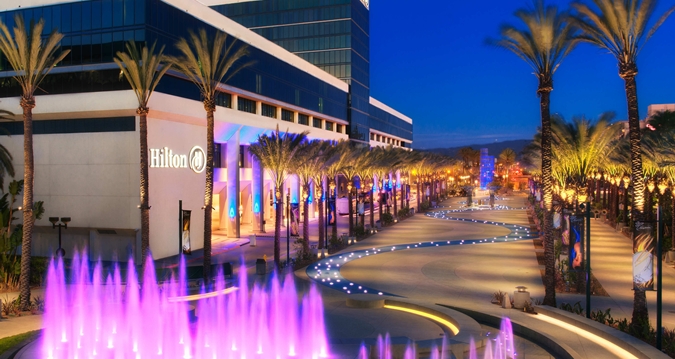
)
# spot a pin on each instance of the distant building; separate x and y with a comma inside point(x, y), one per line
point(654, 109)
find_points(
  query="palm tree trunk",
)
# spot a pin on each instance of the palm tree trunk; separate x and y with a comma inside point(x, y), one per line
point(208, 189)
point(277, 228)
point(672, 220)
point(305, 222)
point(628, 72)
point(418, 194)
point(546, 171)
point(145, 187)
point(402, 196)
point(334, 210)
point(28, 219)
point(615, 216)
point(372, 209)
point(321, 217)
point(380, 203)
point(394, 200)
point(649, 204)
point(351, 208)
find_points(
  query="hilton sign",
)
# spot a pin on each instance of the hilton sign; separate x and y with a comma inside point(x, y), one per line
point(165, 158)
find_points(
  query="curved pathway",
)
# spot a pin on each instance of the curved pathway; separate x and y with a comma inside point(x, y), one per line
point(327, 271)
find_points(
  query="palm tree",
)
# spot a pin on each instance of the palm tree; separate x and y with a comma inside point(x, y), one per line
point(507, 158)
point(619, 26)
point(276, 152)
point(31, 58)
point(143, 71)
point(320, 160)
point(206, 62)
point(338, 160)
point(356, 162)
point(309, 161)
point(547, 38)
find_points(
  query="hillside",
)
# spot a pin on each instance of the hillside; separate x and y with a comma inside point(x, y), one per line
point(494, 149)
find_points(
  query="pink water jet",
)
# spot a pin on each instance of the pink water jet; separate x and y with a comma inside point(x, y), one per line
point(100, 317)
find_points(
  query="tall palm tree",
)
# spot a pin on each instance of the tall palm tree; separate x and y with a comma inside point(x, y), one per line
point(31, 58)
point(338, 160)
point(143, 71)
point(206, 62)
point(276, 152)
point(356, 162)
point(309, 161)
point(507, 158)
point(320, 166)
point(544, 42)
point(620, 27)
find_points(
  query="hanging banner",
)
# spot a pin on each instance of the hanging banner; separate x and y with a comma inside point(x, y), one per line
point(185, 243)
point(295, 220)
point(643, 257)
point(407, 192)
point(331, 210)
point(565, 229)
point(576, 239)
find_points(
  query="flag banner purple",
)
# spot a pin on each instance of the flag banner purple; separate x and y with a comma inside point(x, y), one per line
point(643, 256)
point(295, 219)
point(185, 242)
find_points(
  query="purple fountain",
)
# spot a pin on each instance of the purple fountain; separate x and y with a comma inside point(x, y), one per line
point(95, 315)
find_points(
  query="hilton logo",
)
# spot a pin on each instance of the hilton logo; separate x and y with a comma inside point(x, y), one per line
point(165, 158)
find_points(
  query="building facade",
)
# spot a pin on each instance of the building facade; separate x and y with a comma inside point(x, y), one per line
point(86, 136)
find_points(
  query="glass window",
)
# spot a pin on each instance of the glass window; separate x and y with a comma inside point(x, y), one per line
point(140, 12)
point(96, 15)
point(224, 99)
point(65, 18)
point(246, 105)
point(316, 122)
point(338, 128)
point(86, 16)
point(107, 13)
point(269, 111)
point(128, 12)
point(118, 13)
point(303, 119)
point(329, 126)
point(286, 115)
point(76, 17)
point(47, 16)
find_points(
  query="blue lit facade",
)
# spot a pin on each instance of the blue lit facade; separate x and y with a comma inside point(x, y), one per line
point(487, 168)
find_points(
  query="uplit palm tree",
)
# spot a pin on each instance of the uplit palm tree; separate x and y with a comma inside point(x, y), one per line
point(320, 165)
point(507, 158)
point(276, 152)
point(308, 162)
point(207, 62)
point(338, 160)
point(143, 71)
point(620, 27)
point(31, 58)
point(544, 42)
point(356, 159)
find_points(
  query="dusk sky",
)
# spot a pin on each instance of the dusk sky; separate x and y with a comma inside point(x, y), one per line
point(429, 60)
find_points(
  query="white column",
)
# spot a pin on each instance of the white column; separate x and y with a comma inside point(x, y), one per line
point(258, 197)
point(315, 197)
point(278, 116)
point(258, 108)
point(232, 206)
point(235, 102)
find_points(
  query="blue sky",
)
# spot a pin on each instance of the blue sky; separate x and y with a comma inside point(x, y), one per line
point(429, 61)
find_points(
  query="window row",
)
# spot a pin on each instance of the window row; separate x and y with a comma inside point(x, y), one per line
point(327, 57)
point(224, 99)
point(316, 43)
point(287, 17)
point(305, 30)
point(387, 140)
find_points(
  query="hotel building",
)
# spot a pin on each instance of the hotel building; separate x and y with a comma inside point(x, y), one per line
point(310, 72)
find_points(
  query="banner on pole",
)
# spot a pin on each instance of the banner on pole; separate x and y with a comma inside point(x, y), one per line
point(185, 244)
point(576, 239)
point(643, 256)
point(295, 220)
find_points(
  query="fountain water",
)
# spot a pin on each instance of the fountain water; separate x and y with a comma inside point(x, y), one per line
point(95, 315)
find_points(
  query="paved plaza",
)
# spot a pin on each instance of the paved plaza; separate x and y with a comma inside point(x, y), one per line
point(461, 276)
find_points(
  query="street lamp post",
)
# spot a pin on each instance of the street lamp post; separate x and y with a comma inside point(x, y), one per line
point(64, 223)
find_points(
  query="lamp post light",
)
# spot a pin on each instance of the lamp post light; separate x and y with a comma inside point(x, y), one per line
point(64, 223)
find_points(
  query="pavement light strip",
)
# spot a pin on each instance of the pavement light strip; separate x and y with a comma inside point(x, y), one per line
point(329, 275)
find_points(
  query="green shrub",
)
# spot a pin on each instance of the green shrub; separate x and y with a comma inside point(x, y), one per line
point(359, 231)
point(424, 206)
point(387, 218)
point(404, 212)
